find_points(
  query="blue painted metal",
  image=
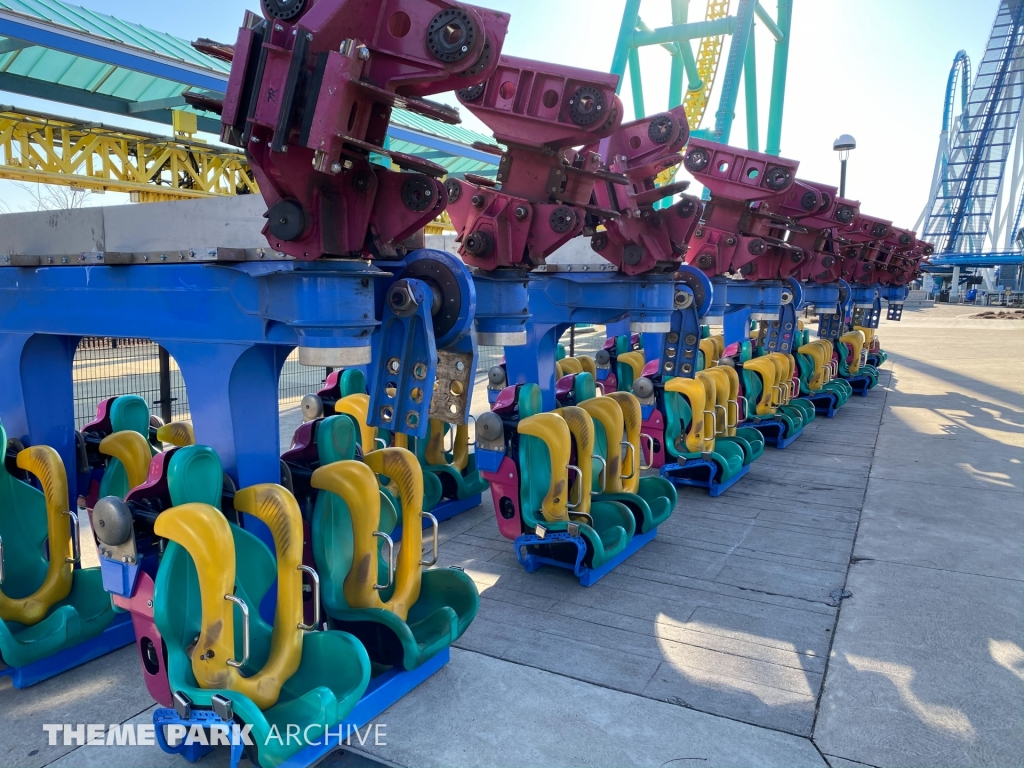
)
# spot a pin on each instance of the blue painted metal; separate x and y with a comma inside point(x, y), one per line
point(701, 473)
point(92, 47)
point(118, 634)
point(730, 88)
point(229, 328)
point(995, 259)
point(532, 562)
point(736, 301)
point(559, 300)
point(383, 692)
point(502, 307)
point(398, 400)
point(441, 144)
point(825, 404)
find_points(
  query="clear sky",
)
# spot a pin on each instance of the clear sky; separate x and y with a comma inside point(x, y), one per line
point(876, 69)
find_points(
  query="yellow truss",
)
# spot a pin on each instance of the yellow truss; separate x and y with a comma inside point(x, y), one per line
point(50, 150)
point(708, 56)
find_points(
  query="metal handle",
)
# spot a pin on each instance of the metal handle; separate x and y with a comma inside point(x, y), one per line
point(736, 421)
point(579, 484)
point(746, 409)
point(315, 577)
point(472, 420)
point(777, 387)
point(602, 477)
point(787, 390)
point(632, 461)
point(714, 424)
point(381, 441)
point(245, 631)
point(725, 418)
point(452, 434)
point(650, 450)
point(3, 572)
point(584, 515)
point(391, 560)
point(433, 523)
point(76, 547)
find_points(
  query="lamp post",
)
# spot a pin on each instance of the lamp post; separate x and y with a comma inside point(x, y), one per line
point(843, 145)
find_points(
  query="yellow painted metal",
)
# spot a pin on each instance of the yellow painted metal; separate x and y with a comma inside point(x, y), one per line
point(442, 225)
point(40, 148)
point(708, 56)
point(179, 433)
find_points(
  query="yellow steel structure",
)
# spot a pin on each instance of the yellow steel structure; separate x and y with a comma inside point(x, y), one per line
point(708, 56)
point(45, 149)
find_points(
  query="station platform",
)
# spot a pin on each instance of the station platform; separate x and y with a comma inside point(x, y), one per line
point(856, 600)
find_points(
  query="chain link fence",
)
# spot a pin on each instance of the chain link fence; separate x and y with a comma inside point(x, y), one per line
point(105, 368)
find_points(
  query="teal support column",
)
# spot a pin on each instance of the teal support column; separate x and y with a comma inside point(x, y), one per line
point(622, 45)
point(744, 29)
point(779, 71)
point(692, 31)
point(636, 84)
point(750, 90)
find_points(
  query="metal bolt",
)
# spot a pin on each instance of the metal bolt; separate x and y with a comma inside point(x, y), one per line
point(521, 212)
point(477, 201)
point(460, 366)
point(335, 167)
point(363, 53)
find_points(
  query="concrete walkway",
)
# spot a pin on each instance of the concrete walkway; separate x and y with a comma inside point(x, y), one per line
point(721, 642)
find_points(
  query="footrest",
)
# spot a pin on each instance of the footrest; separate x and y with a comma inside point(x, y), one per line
point(446, 510)
point(573, 560)
point(860, 384)
point(383, 692)
point(701, 473)
point(118, 634)
point(774, 432)
point(825, 404)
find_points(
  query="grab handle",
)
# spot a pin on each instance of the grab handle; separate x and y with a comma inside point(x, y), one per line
point(76, 546)
point(579, 484)
point(433, 524)
point(381, 442)
point(245, 631)
point(632, 461)
point(746, 409)
point(603, 474)
point(3, 573)
point(391, 560)
point(650, 450)
point(315, 578)
point(725, 417)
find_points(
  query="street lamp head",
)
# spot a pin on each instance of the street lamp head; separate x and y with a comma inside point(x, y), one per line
point(846, 142)
point(843, 145)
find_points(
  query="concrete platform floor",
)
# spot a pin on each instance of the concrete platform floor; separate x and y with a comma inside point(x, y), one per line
point(721, 642)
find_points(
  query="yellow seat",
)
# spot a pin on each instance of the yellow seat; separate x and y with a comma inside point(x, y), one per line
point(178, 433)
point(588, 364)
point(358, 407)
point(206, 535)
point(133, 451)
point(702, 426)
point(708, 350)
point(856, 340)
point(568, 366)
point(768, 371)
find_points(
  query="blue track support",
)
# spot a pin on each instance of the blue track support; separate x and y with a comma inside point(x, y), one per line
point(701, 473)
point(532, 562)
point(383, 692)
point(561, 299)
point(229, 328)
point(118, 634)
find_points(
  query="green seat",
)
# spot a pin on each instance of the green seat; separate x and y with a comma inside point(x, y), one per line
point(448, 599)
point(651, 500)
point(452, 474)
point(79, 614)
point(729, 455)
point(753, 388)
point(331, 678)
point(613, 523)
point(128, 413)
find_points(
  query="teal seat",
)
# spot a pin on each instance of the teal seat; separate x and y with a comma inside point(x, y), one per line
point(753, 389)
point(613, 523)
point(446, 480)
point(730, 455)
point(448, 599)
point(83, 613)
point(332, 676)
point(128, 413)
